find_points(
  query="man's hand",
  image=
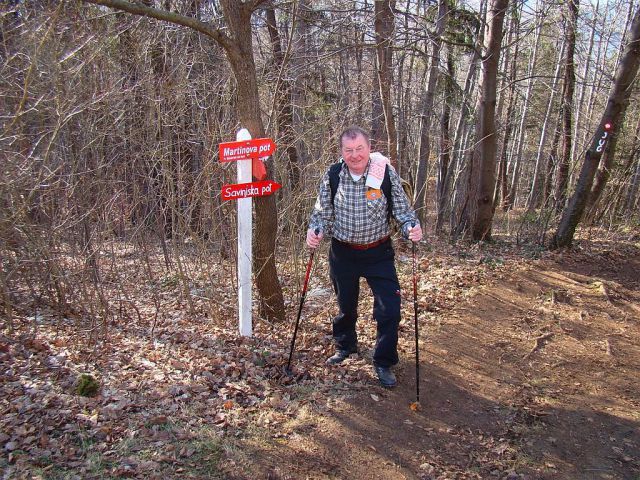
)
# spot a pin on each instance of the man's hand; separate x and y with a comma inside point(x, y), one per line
point(313, 239)
point(415, 233)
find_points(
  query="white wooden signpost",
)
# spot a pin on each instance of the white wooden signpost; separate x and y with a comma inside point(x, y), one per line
point(245, 151)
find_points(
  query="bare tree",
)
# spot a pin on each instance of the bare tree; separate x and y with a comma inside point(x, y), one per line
point(583, 85)
point(482, 179)
point(283, 99)
point(631, 199)
point(607, 129)
point(631, 174)
point(427, 113)
point(238, 46)
point(542, 175)
point(460, 169)
point(384, 27)
point(444, 159)
point(607, 161)
point(564, 161)
point(502, 182)
point(510, 199)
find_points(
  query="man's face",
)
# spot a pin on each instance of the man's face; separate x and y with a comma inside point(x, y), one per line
point(355, 152)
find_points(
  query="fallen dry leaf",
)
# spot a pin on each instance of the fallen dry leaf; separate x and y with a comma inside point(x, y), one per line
point(158, 420)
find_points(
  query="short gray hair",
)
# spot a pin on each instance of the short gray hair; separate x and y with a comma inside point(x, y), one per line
point(352, 132)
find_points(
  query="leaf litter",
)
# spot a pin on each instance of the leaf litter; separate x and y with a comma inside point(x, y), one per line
point(186, 399)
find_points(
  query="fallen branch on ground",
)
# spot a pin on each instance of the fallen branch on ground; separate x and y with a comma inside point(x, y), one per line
point(539, 343)
point(608, 344)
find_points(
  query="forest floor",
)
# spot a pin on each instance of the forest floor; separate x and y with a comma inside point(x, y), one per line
point(529, 368)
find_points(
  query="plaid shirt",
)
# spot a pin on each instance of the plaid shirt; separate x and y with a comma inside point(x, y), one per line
point(353, 218)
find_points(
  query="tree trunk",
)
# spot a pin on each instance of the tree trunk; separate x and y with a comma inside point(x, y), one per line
point(298, 91)
point(384, 27)
point(239, 49)
point(401, 119)
point(284, 109)
point(405, 99)
point(502, 185)
point(517, 162)
point(583, 84)
point(427, 110)
point(358, 40)
point(378, 128)
point(562, 177)
point(631, 200)
point(603, 174)
point(601, 73)
point(625, 34)
point(266, 215)
point(444, 173)
point(462, 160)
point(608, 127)
point(535, 193)
point(608, 156)
point(552, 161)
point(627, 200)
point(484, 153)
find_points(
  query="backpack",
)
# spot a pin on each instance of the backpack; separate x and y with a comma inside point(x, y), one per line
point(334, 181)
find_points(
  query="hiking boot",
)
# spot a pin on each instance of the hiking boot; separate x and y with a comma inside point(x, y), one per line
point(386, 376)
point(339, 357)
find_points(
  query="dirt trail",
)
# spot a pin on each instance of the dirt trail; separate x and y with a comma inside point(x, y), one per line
point(535, 376)
point(529, 370)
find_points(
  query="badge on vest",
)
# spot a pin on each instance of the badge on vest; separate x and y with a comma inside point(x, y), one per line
point(374, 193)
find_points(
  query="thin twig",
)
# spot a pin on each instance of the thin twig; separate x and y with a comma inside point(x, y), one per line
point(608, 344)
point(540, 341)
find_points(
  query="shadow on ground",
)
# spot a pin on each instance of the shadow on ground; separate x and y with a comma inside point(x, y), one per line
point(533, 377)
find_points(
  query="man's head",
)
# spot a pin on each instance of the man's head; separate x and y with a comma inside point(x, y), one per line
point(355, 148)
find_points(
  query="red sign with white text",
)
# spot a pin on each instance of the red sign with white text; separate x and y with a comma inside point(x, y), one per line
point(246, 190)
point(245, 150)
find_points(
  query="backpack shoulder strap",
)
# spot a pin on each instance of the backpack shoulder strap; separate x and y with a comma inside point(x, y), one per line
point(386, 189)
point(334, 178)
point(334, 181)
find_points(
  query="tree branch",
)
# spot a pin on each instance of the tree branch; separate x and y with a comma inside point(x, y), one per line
point(252, 5)
point(139, 9)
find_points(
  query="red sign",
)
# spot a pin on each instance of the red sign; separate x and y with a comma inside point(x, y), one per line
point(246, 190)
point(245, 150)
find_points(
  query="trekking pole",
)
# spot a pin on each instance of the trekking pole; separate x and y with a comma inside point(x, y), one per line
point(415, 312)
point(304, 294)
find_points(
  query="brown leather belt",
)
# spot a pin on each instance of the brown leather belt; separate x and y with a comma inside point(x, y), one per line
point(365, 246)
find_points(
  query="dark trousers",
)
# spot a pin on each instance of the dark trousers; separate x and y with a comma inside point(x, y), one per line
point(346, 267)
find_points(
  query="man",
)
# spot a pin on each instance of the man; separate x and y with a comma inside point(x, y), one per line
point(355, 215)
